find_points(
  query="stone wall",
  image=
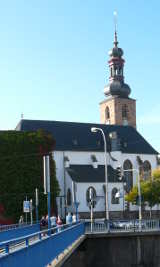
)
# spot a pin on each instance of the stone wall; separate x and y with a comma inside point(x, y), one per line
point(141, 250)
point(120, 215)
point(115, 106)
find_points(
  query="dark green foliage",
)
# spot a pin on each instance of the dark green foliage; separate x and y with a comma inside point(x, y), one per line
point(150, 191)
point(21, 171)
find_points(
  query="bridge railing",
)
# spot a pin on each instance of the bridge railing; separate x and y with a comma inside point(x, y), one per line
point(122, 226)
point(40, 248)
point(15, 231)
point(6, 227)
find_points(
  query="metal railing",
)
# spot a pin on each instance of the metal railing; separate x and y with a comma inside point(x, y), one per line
point(6, 227)
point(12, 245)
point(122, 226)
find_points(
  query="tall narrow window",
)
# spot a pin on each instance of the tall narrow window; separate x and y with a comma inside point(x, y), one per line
point(119, 71)
point(146, 170)
point(116, 71)
point(111, 72)
point(107, 113)
point(69, 197)
point(124, 111)
point(128, 175)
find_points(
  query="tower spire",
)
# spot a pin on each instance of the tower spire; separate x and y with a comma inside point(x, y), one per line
point(116, 85)
point(115, 29)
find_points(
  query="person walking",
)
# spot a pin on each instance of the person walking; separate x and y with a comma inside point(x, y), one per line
point(53, 221)
point(43, 223)
point(21, 221)
point(59, 223)
point(69, 218)
point(74, 219)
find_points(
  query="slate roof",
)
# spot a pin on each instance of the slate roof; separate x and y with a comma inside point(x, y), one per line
point(88, 174)
point(74, 136)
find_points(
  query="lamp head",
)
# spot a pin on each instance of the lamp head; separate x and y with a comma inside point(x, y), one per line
point(94, 129)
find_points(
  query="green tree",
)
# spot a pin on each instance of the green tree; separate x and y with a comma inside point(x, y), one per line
point(21, 171)
point(150, 191)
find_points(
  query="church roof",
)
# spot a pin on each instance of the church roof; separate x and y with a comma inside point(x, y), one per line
point(74, 136)
point(88, 174)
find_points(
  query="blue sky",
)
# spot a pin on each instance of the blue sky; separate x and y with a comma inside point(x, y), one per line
point(54, 53)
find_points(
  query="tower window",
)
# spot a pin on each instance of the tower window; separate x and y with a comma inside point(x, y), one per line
point(107, 113)
point(119, 71)
point(124, 111)
point(116, 71)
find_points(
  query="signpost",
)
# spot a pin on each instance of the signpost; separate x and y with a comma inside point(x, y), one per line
point(26, 207)
point(91, 204)
point(31, 214)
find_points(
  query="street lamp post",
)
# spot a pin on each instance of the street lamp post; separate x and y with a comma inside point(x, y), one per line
point(139, 192)
point(140, 199)
point(94, 130)
point(46, 165)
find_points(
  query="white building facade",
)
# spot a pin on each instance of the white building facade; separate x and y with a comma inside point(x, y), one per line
point(117, 208)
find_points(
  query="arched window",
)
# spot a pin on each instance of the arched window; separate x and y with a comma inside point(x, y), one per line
point(69, 197)
point(119, 71)
point(124, 111)
point(107, 113)
point(116, 70)
point(114, 200)
point(146, 169)
point(88, 195)
point(111, 72)
point(128, 175)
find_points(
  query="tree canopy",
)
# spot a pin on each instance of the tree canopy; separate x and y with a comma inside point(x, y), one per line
point(150, 190)
point(21, 171)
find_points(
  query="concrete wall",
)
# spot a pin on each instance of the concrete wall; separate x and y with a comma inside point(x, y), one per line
point(118, 251)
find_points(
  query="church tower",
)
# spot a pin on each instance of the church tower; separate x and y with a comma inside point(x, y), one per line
point(118, 108)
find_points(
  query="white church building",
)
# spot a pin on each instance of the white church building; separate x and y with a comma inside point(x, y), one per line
point(79, 153)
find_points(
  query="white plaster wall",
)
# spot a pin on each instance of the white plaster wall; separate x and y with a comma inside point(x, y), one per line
point(85, 158)
point(100, 206)
point(69, 186)
point(58, 157)
point(81, 157)
point(81, 196)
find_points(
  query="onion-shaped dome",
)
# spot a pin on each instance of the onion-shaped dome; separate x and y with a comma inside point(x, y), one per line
point(116, 52)
point(118, 88)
